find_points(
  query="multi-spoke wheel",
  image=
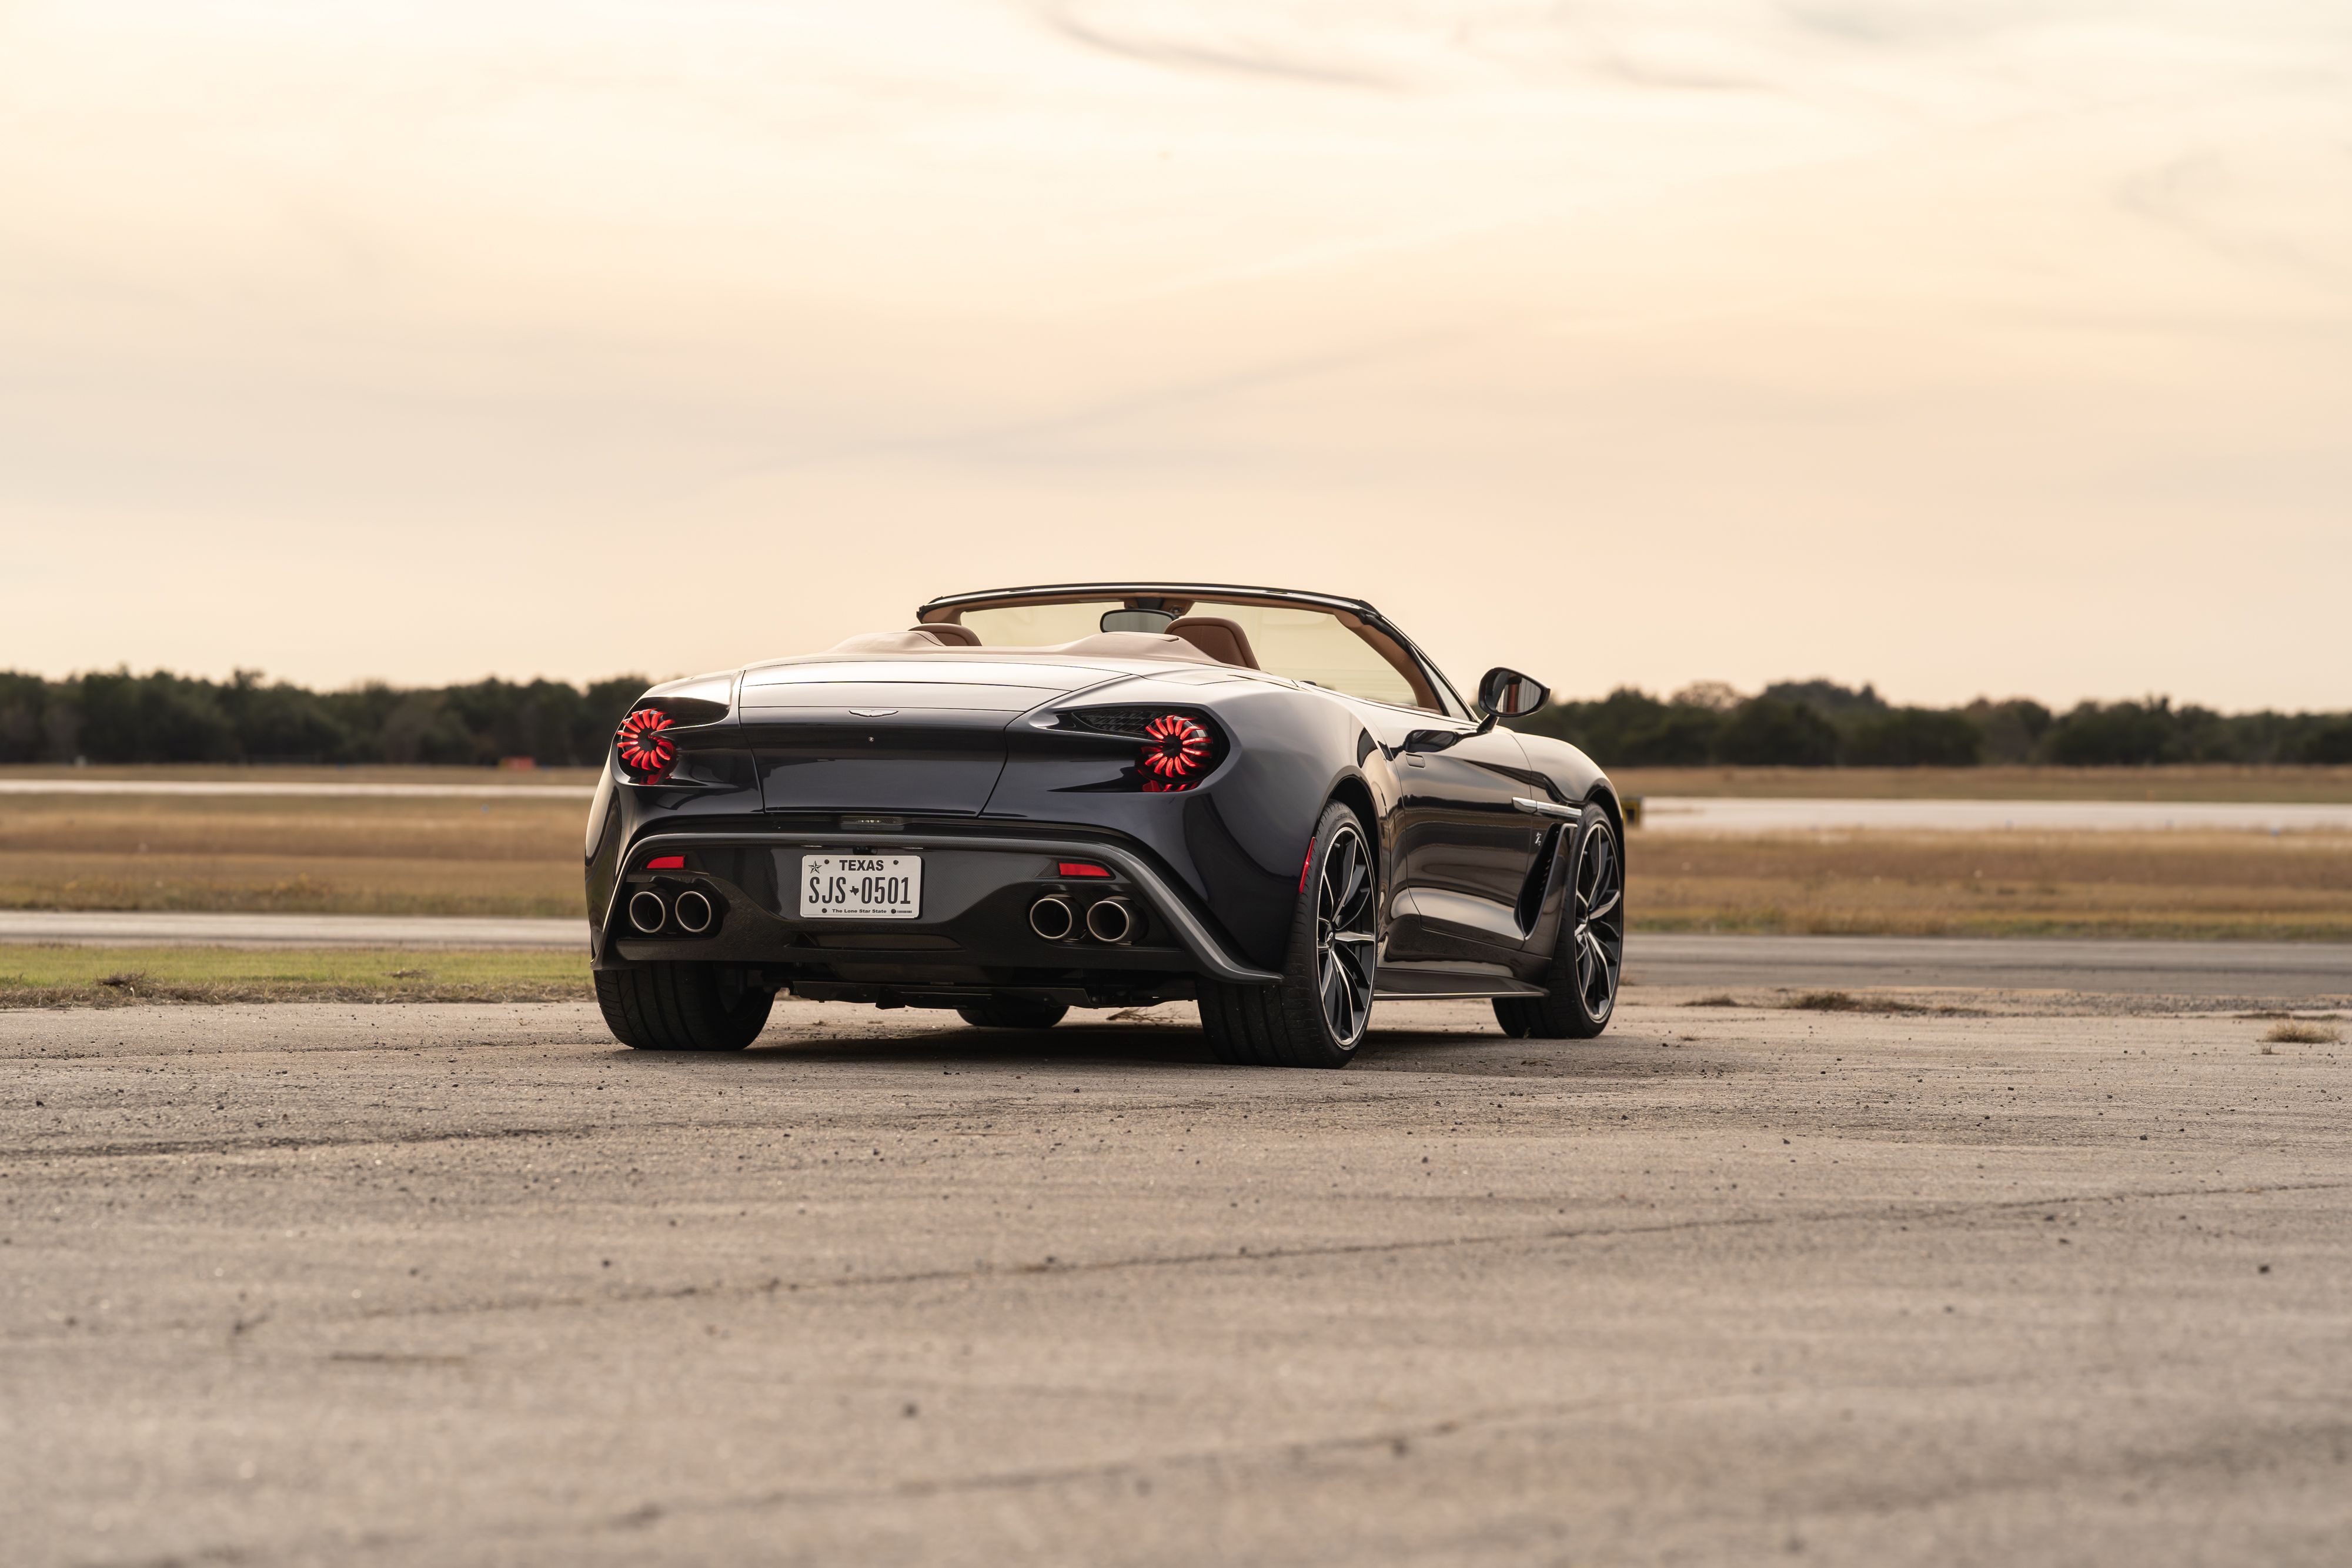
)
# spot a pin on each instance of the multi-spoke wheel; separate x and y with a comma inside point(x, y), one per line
point(1345, 945)
point(1588, 959)
point(1316, 1016)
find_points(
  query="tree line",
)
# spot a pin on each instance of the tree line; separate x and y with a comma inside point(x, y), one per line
point(1820, 723)
point(118, 716)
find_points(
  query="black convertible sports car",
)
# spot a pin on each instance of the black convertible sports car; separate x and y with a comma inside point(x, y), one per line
point(1104, 794)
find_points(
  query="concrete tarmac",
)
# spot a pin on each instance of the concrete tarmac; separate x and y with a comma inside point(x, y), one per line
point(144, 784)
point(1727, 814)
point(2191, 973)
point(420, 1284)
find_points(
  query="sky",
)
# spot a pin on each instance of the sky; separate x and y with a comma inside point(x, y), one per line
point(1961, 346)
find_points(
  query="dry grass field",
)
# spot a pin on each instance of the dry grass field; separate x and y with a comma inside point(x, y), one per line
point(2175, 884)
point(313, 854)
point(520, 855)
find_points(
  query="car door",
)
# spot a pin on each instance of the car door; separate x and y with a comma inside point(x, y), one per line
point(1462, 848)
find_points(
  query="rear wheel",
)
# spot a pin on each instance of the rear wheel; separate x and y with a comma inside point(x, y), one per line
point(1588, 959)
point(1012, 1012)
point(682, 1007)
point(1316, 1015)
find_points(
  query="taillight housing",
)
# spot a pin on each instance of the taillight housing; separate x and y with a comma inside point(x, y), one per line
point(1176, 752)
point(643, 746)
point(1175, 748)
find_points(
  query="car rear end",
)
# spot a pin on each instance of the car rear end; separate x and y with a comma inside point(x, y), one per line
point(935, 832)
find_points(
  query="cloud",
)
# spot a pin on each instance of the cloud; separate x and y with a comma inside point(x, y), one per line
point(1153, 37)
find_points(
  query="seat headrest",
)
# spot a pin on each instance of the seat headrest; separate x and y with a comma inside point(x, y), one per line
point(949, 634)
point(1222, 640)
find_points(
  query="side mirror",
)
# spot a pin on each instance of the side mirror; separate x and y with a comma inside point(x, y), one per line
point(1507, 694)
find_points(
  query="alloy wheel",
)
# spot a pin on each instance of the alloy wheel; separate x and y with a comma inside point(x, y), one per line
point(1346, 947)
point(1599, 934)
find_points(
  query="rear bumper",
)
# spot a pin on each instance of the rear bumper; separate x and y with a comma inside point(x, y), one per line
point(974, 933)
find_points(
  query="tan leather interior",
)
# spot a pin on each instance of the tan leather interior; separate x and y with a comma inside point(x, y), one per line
point(1100, 645)
point(1133, 646)
point(1222, 640)
point(949, 634)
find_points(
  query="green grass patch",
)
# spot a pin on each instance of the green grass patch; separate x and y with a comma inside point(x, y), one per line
point(61, 976)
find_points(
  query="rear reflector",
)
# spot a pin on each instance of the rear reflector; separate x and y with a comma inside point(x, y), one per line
point(1080, 868)
point(666, 863)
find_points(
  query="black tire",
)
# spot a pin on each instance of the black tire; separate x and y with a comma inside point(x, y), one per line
point(1318, 1014)
point(1588, 959)
point(682, 1007)
point(1012, 1012)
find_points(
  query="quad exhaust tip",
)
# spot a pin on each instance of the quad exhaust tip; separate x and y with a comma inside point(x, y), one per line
point(646, 911)
point(693, 912)
point(1111, 920)
point(1051, 917)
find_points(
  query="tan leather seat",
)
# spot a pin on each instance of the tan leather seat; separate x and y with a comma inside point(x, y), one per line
point(949, 634)
point(1222, 640)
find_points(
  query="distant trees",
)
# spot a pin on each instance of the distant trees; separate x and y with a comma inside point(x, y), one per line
point(117, 717)
point(1767, 731)
point(1912, 737)
point(1821, 723)
point(2330, 742)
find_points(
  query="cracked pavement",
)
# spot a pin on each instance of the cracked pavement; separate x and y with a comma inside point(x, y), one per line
point(456, 1284)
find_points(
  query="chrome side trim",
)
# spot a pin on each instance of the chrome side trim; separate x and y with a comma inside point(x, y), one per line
point(1544, 808)
point(1204, 947)
point(1477, 996)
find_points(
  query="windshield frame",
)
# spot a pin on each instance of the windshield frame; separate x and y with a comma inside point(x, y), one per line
point(1158, 595)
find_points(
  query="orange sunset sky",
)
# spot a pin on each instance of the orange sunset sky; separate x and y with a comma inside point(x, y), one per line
point(1960, 345)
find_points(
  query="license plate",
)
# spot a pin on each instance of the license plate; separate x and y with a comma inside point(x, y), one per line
point(862, 887)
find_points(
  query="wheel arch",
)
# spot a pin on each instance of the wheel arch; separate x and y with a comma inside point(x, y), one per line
point(1354, 791)
point(1603, 794)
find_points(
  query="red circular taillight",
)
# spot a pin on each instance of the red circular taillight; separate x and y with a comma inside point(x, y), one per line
point(1176, 750)
point(643, 747)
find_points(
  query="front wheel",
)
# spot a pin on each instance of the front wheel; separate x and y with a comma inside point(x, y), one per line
point(1317, 1015)
point(1589, 960)
point(682, 1007)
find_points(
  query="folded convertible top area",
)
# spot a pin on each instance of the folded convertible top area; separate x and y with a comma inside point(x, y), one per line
point(1101, 645)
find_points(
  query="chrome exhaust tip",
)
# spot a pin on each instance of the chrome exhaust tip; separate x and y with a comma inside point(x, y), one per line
point(646, 911)
point(1053, 918)
point(693, 912)
point(1111, 920)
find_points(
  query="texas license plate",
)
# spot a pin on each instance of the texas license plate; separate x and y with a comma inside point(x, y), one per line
point(864, 887)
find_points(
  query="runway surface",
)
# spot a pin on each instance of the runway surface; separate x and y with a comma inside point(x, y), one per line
point(2203, 971)
point(437, 1285)
point(1735, 815)
point(356, 789)
point(1661, 814)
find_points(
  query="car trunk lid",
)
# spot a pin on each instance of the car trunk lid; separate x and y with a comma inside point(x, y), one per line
point(924, 736)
